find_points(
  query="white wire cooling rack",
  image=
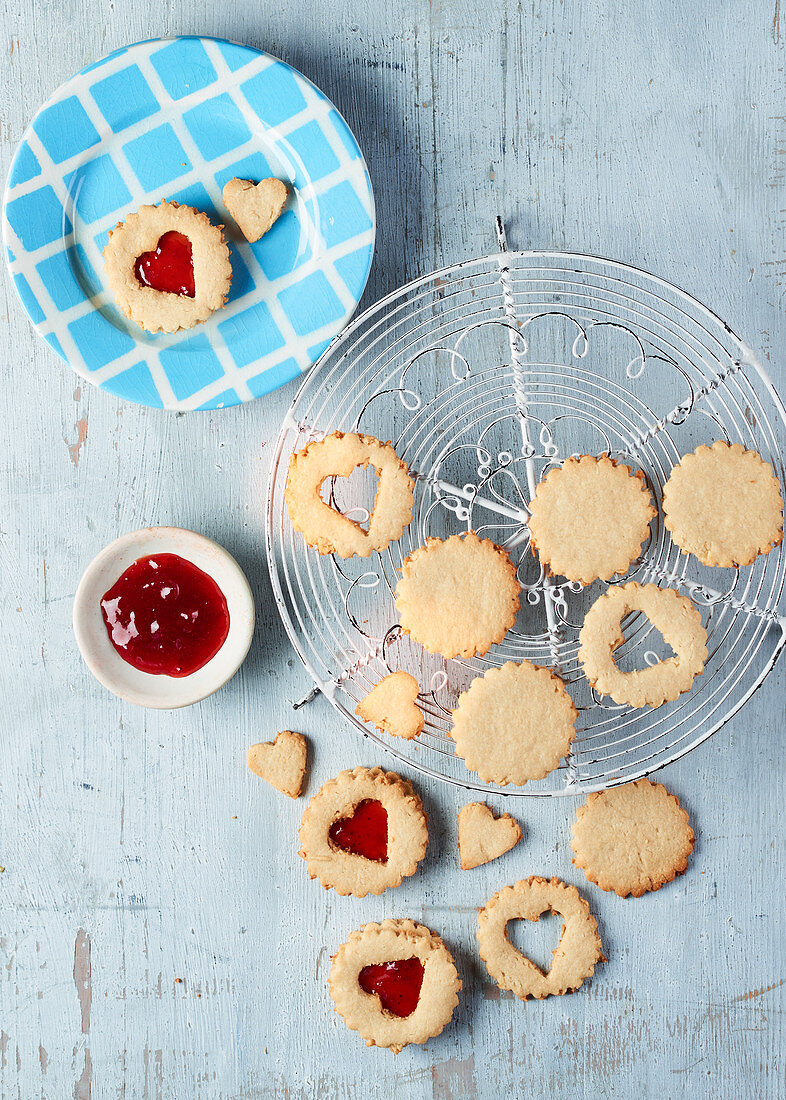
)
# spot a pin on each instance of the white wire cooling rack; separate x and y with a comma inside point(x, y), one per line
point(483, 375)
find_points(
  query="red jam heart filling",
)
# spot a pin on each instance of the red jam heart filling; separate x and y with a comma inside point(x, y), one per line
point(170, 268)
point(397, 984)
point(365, 833)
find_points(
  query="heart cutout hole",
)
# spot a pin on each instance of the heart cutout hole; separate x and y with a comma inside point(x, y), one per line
point(353, 496)
point(396, 983)
point(536, 940)
point(649, 648)
point(169, 267)
point(364, 832)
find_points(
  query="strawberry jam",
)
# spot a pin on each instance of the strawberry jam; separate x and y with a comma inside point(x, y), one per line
point(365, 833)
point(397, 984)
point(165, 616)
point(170, 268)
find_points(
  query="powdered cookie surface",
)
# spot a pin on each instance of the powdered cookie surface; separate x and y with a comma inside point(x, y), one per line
point(632, 839)
point(167, 267)
point(338, 455)
point(254, 206)
point(390, 705)
point(282, 763)
point(514, 723)
point(589, 518)
point(395, 983)
point(458, 596)
point(723, 504)
point(673, 615)
point(575, 955)
point(363, 832)
point(483, 837)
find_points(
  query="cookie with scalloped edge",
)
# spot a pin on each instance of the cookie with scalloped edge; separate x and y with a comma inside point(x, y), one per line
point(514, 723)
point(723, 504)
point(337, 455)
point(142, 233)
point(575, 956)
point(677, 619)
point(633, 838)
point(378, 1004)
point(363, 832)
point(458, 596)
point(589, 518)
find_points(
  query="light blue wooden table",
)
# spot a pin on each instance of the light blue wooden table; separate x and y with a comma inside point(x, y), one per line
point(159, 937)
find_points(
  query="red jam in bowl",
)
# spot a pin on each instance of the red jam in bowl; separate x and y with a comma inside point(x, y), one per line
point(165, 616)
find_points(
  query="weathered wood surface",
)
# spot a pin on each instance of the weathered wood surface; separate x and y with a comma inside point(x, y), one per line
point(159, 937)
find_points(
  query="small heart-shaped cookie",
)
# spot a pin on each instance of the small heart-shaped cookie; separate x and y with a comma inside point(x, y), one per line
point(282, 763)
point(483, 837)
point(255, 206)
point(390, 705)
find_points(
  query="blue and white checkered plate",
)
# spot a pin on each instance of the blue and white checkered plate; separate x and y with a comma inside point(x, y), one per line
point(175, 119)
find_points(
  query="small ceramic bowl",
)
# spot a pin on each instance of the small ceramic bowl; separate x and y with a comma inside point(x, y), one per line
point(160, 691)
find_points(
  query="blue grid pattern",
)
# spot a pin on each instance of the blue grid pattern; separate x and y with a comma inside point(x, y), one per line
point(176, 119)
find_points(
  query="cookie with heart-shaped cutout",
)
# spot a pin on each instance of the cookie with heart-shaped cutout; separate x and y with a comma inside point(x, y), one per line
point(484, 837)
point(390, 705)
point(395, 983)
point(337, 455)
point(575, 956)
point(678, 620)
point(281, 763)
point(363, 832)
point(255, 206)
point(168, 267)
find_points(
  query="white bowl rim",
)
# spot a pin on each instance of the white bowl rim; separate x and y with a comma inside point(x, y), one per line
point(161, 692)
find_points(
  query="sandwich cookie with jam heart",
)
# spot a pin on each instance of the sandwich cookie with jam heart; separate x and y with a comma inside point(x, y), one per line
point(363, 832)
point(168, 267)
point(395, 983)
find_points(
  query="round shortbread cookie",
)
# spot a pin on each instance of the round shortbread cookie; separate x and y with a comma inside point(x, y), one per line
point(723, 504)
point(140, 233)
point(673, 615)
point(391, 706)
point(589, 518)
point(458, 596)
point(514, 723)
point(337, 802)
point(632, 839)
point(575, 956)
point(392, 941)
point(337, 455)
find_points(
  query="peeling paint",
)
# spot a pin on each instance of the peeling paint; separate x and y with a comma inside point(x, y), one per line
point(84, 1086)
point(83, 976)
point(81, 438)
point(454, 1079)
